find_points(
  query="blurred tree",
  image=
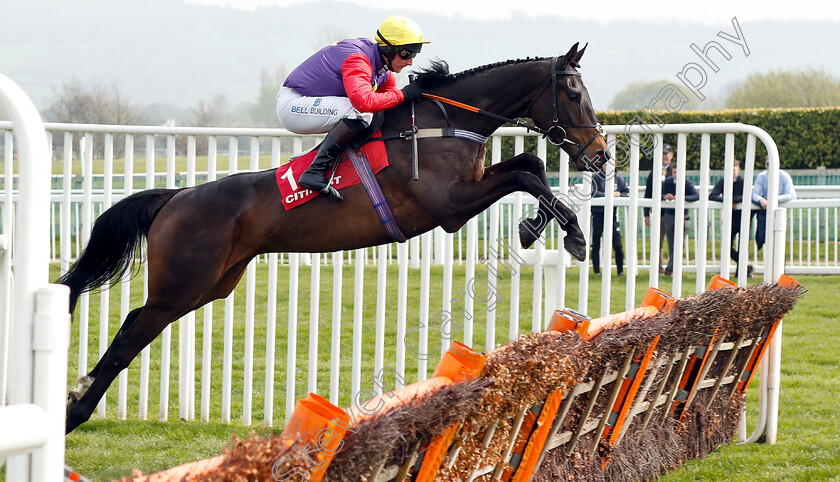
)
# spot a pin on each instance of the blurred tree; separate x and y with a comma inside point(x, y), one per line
point(639, 94)
point(208, 113)
point(95, 103)
point(92, 104)
point(264, 113)
point(786, 88)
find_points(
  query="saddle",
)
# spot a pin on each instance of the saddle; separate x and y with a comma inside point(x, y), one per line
point(344, 175)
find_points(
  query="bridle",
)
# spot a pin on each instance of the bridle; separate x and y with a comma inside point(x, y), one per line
point(556, 123)
point(555, 119)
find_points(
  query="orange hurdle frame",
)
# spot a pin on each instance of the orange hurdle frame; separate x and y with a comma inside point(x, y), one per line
point(540, 422)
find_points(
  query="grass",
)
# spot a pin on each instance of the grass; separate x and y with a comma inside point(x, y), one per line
point(808, 447)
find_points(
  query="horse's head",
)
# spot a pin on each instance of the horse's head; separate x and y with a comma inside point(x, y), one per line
point(563, 108)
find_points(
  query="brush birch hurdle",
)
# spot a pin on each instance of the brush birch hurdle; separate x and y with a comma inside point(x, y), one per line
point(627, 385)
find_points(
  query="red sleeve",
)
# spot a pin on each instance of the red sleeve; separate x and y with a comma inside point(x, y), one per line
point(356, 73)
point(390, 84)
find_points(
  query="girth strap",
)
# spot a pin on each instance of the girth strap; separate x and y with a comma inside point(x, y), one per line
point(437, 133)
point(449, 132)
point(362, 166)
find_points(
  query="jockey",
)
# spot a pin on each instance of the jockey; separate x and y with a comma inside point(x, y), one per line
point(338, 89)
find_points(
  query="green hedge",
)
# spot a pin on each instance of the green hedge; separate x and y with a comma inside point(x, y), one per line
point(806, 138)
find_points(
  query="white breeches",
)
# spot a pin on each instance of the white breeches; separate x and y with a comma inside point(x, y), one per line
point(314, 115)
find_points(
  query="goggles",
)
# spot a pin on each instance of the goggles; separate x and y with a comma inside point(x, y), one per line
point(406, 54)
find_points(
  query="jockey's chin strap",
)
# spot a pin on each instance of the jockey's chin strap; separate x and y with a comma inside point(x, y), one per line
point(556, 123)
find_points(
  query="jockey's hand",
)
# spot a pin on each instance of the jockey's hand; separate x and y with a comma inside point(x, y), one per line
point(412, 92)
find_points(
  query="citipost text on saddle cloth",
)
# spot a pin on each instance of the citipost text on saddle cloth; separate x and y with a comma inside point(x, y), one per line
point(288, 174)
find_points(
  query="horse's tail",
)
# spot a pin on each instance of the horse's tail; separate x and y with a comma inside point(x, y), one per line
point(113, 242)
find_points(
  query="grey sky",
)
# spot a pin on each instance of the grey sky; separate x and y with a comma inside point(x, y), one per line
point(707, 11)
point(169, 52)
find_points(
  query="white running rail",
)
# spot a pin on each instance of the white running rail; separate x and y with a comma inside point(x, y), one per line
point(37, 333)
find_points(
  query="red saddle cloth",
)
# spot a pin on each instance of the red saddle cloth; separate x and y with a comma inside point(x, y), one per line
point(288, 174)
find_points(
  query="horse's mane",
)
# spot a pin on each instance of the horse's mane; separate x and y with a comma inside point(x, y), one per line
point(437, 73)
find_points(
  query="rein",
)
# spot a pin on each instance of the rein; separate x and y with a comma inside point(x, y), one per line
point(546, 133)
point(483, 112)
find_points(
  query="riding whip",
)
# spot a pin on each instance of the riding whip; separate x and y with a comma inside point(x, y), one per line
point(415, 175)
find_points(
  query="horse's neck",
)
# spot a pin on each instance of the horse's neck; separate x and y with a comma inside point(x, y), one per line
point(506, 91)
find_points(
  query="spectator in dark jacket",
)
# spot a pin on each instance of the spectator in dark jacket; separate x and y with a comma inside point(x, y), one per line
point(737, 197)
point(669, 193)
point(620, 189)
point(667, 156)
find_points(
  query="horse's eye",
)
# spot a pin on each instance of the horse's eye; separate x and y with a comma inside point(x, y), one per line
point(574, 96)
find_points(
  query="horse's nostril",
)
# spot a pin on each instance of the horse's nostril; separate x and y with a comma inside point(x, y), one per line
point(602, 158)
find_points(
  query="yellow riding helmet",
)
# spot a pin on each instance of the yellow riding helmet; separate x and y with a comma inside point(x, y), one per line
point(399, 30)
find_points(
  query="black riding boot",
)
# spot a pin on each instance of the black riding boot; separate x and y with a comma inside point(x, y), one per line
point(315, 177)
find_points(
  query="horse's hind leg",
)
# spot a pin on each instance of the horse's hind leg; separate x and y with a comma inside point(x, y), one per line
point(170, 297)
point(148, 323)
point(140, 328)
point(84, 382)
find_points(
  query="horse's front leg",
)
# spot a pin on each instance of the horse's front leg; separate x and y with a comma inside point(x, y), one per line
point(530, 229)
point(524, 172)
point(550, 207)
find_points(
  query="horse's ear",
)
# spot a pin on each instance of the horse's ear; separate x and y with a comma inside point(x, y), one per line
point(580, 53)
point(570, 55)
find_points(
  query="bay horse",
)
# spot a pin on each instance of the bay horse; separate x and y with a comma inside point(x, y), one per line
point(200, 239)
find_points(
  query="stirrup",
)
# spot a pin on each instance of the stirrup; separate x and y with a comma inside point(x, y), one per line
point(332, 194)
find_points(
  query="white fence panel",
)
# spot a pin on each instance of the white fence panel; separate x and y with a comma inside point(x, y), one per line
point(488, 244)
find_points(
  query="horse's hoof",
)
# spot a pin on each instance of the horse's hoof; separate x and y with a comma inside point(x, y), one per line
point(527, 234)
point(77, 393)
point(72, 399)
point(575, 247)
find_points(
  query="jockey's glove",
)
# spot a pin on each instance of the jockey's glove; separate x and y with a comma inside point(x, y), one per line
point(412, 92)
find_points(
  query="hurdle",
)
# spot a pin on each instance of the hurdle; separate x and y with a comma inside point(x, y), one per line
point(582, 399)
